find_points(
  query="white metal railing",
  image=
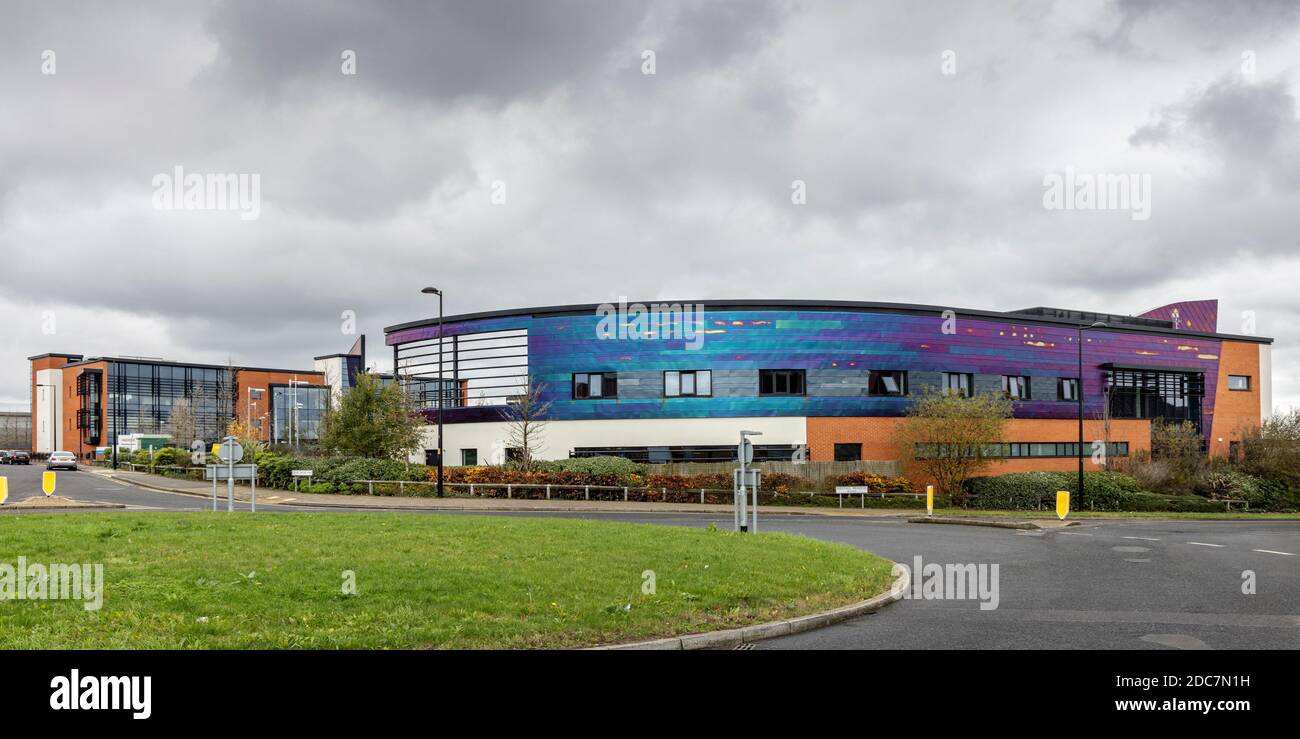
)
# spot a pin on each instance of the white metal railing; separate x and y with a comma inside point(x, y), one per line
point(548, 488)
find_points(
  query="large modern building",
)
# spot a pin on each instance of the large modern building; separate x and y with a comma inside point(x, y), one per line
point(81, 404)
point(827, 380)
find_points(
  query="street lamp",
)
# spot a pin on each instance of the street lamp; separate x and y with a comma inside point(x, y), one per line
point(1079, 394)
point(436, 291)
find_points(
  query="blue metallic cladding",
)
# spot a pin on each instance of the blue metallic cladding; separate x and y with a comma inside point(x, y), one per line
point(841, 345)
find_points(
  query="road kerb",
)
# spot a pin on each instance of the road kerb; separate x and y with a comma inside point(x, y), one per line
point(958, 521)
point(785, 627)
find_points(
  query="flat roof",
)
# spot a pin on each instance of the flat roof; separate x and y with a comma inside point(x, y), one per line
point(167, 363)
point(1139, 325)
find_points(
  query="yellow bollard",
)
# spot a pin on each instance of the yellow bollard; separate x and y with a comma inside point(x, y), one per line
point(48, 482)
point(1063, 503)
point(4, 490)
point(929, 500)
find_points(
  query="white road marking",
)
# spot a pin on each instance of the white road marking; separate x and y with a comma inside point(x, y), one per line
point(1270, 551)
point(1141, 538)
point(1203, 544)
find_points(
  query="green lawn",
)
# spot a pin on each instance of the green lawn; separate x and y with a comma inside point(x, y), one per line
point(1233, 516)
point(269, 580)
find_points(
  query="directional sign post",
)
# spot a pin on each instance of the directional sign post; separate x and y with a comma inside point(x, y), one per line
point(299, 474)
point(230, 452)
point(745, 454)
point(48, 482)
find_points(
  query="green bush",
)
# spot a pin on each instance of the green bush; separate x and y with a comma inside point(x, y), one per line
point(1105, 491)
point(171, 457)
point(603, 466)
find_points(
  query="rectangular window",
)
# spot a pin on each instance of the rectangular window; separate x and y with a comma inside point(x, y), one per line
point(1015, 387)
point(848, 452)
point(1238, 382)
point(781, 382)
point(469, 457)
point(1067, 388)
point(595, 385)
point(688, 383)
point(887, 382)
point(957, 383)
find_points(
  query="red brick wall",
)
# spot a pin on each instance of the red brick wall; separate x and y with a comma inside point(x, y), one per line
point(1234, 410)
point(875, 434)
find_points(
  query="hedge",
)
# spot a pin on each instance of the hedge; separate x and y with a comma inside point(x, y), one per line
point(1105, 491)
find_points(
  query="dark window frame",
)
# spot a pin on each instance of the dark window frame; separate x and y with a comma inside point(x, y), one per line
point(607, 379)
point(1239, 389)
point(696, 374)
point(1061, 383)
point(786, 377)
point(1023, 381)
point(877, 377)
point(855, 456)
point(967, 392)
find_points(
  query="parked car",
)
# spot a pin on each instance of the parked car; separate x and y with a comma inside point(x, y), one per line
point(18, 456)
point(61, 461)
point(6, 457)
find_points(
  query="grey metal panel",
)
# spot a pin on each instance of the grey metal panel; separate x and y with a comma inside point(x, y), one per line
point(919, 380)
point(1042, 388)
point(837, 382)
point(987, 384)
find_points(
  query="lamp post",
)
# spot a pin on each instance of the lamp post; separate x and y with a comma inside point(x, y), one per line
point(436, 291)
point(1078, 504)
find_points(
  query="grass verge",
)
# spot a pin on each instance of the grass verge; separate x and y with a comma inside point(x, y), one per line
point(268, 580)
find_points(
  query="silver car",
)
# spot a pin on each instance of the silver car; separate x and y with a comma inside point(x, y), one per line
point(61, 461)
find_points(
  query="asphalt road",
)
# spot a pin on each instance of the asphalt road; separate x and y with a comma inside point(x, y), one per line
point(25, 481)
point(1102, 585)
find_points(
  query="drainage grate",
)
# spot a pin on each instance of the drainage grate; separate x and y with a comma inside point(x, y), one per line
point(744, 647)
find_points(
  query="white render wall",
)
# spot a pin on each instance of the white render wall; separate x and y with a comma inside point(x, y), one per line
point(48, 431)
point(1265, 382)
point(490, 439)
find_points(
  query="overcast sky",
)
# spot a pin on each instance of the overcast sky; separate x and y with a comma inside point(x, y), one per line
point(922, 133)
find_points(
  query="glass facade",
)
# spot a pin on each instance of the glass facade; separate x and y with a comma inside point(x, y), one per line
point(1170, 396)
point(297, 412)
point(141, 396)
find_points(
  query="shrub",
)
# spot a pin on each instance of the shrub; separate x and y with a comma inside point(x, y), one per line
point(877, 483)
point(599, 466)
point(1105, 491)
point(171, 457)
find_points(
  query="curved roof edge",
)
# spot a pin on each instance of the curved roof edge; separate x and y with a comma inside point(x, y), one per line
point(842, 305)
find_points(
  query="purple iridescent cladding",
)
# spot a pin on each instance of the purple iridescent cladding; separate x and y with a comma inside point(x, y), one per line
point(837, 348)
point(1190, 315)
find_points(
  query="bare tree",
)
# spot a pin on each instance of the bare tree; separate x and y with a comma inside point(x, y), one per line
point(950, 437)
point(182, 424)
point(525, 416)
